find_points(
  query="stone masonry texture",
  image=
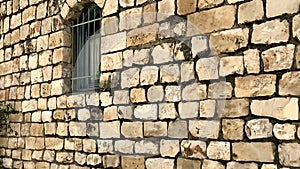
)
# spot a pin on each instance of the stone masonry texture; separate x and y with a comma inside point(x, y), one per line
point(182, 84)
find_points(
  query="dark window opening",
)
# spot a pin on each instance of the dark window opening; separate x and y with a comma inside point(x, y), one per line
point(86, 49)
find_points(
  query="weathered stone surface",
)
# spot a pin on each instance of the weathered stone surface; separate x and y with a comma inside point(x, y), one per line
point(132, 129)
point(114, 42)
point(188, 110)
point(207, 108)
point(268, 166)
point(146, 112)
point(146, 147)
point(233, 108)
point(279, 108)
point(109, 25)
point(207, 68)
point(169, 148)
point(252, 60)
point(129, 162)
point(202, 4)
point(130, 78)
point(155, 94)
point(77, 129)
point(212, 20)
point(218, 150)
point(234, 165)
point(166, 8)
point(187, 71)
point(130, 18)
point(120, 97)
point(261, 85)
point(58, 39)
point(296, 26)
point(288, 83)
point(64, 157)
point(124, 146)
point(110, 113)
point(233, 129)
point(159, 163)
point(289, 154)
point(220, 90)
point(89, 145)
point(36, 129)
point(80, 158)
point(234, 1)
point(28, 14)
point(231, 65)
point(169, 73)
point(255, 151)
point(258, 128)
point(137, 95)
point(193, 149)
point(199, 45)
point(154, 129)
point(275, 7)
point(142, 35)
point(173, 93)
point(54, 143)
point(229, 40)
point(163, 53)
point(104, 146)
point(204, 128)
point(111, 161)
point(111, 61)
point(208, 164)
point(149, 75)
point(194, 91)
point(274, 31)
point(186, 6)
point(183, 163)
point(284, 131)
point(178, 129)
point(83, 114)
point(110, 8)
point(93, 159)
point(250, 11)
point(110, 129)
point(167, 111)
point(126, 3)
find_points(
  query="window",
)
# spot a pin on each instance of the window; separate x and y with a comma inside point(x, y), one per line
point(86, 49)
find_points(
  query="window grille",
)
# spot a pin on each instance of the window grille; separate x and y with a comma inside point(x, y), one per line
point(86, 49)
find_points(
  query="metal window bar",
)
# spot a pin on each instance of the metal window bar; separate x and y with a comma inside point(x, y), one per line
point(86, 50)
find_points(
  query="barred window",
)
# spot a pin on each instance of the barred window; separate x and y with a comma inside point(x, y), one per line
point(86, 49)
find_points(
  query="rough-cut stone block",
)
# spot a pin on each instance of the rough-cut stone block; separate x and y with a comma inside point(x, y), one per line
point(202, 4)
point(252, 60)
point(146, 112)
point(124, 146)
point(137, 95)
point(167, 111)
point(188, 110)
point(274, 31)
point(155, 94)
point(149, 75)
point(77, 129)
point(212, 20)
point(284, 131)
point(288, 83)
point(178, 129)
point(129, 162)
point(110, 113)
point(279, 108)
point(255, 151)
point(169, 148)
point(183, 163)
point(163, 53)
point(115, 42)
point(207, 108)
point(233, 129)
point(220, 90)
point(112, 161)
point(204, 128)
point(207, 68)
point(259, 128)
point(155, 129)
point(60, 39)
point(169, 73)
point(250, 11)
point(173, 93)
point(218, 150)
point(146, 147)
point(193, 149)
point(130, 19)
point(162, 163)
point(296, 26)
point(110, 129)
point(187, 71)
point(194, 91)
point(142, 35)
point(231, 65)
point(186, 6)
point(132, 129)
point(111, 61)
point(261, 85)
point(275, 7)
point(229, 40)
point(166, 8)
point(120, 97)
point(235, 165)
point(130, 78)
point(289, 154)
point(110, 7)
point(233, 108)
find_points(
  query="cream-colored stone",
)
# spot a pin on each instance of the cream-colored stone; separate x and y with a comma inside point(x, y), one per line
point(220, 90)
point(155, 94)
point(276, 8)
point(229, 40)
point(203, 4)
point(233, 129)
point(234, 165)
point(110, 129)
point(149, 75)
point(261, 85)
point(296, 26)
point(166, 8)
point(111, 61)
point(188, 110)
point(218, 150)
point(130, 78)
point(169, 148)
point(274, 31)
point(183, 163)
point(288, 82)
point(142, 35)
point(259, 128)
point(255, 151)
point(204, 128)
point(120, 97)
point(146, 147)
point(289, 154)
point(159, 163)
point(207, 164)
point(279, 108)
point(211, 20)
point(231, 65)
point(252, 60)
point(284, 131)
point(187, 71)
point(130, 19)
point(250, 11)
point(193, 149)
point(207, 68)
point(137, 95)
point(194, 91)
point(186, 6)
point(163, 53)
point(155, 129)
point(167, 111)
point(146, 112)
point(132, 129)
point(124, 146)
point(169, 73)
point(110, 7)
point(207, 108)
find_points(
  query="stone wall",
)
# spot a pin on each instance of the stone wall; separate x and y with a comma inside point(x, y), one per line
point(184, 84)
